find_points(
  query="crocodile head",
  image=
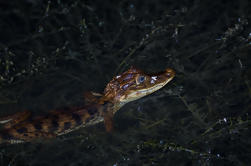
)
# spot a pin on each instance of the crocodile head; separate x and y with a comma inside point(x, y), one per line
point(135, 84)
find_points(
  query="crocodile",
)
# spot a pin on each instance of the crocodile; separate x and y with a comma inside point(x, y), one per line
point(131, 85)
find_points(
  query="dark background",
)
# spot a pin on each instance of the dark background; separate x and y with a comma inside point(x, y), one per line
point(51, 52)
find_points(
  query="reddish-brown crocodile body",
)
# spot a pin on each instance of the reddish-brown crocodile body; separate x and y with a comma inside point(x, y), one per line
point(130, 85)
point(54, 123)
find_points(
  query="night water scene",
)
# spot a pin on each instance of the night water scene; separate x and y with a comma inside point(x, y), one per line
point(125, 83)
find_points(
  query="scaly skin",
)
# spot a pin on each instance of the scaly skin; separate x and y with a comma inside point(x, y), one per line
point(129, 86)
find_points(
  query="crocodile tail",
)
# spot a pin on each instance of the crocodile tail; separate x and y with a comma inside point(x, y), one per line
point(11, 120)
point(6, 136)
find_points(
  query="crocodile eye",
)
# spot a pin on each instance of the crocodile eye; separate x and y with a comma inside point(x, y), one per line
point(141, 79)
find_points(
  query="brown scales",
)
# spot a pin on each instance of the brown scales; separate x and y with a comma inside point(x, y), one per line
point(55, 123)
point(130, 85)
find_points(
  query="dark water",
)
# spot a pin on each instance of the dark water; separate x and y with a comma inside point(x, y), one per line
point(53, 51)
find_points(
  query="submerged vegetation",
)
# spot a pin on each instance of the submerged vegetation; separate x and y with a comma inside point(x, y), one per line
point(53, 51)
